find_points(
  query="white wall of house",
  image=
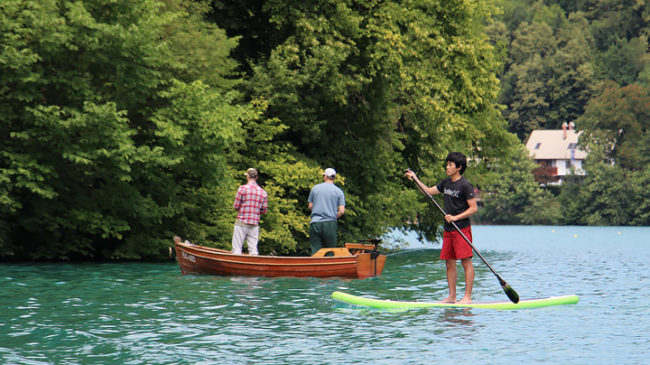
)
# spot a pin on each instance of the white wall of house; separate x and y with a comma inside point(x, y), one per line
point(564, 167)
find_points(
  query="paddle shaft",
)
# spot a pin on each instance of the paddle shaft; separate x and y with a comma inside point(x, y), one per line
point(424, 191)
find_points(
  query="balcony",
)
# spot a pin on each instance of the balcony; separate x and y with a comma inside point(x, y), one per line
point(546, 174)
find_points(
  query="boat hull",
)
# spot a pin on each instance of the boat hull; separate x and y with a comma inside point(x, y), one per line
point(194, 259)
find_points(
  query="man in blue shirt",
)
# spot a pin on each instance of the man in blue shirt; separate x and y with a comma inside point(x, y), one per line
point(327, 205)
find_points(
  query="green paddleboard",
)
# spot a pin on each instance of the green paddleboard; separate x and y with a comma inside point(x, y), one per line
point(391, 304)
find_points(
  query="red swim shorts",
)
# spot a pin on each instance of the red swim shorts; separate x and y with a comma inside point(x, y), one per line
point(454, 246)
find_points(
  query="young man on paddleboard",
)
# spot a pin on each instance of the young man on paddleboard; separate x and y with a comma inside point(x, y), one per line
point(460, 204)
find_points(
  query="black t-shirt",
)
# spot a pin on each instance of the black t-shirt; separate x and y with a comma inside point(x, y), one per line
point(455, 196)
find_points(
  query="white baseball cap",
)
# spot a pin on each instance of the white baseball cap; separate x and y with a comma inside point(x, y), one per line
point(330, 172)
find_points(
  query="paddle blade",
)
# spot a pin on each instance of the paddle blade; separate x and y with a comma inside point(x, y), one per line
point(510, 292)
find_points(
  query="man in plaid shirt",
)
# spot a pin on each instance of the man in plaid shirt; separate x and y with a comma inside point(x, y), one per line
point(250, 202)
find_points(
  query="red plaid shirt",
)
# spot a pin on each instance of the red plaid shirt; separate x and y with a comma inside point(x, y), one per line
point(251, 201)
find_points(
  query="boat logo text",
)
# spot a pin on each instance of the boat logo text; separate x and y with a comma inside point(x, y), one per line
point(189, 257)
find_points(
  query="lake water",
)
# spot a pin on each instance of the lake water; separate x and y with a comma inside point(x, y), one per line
point(143, 313)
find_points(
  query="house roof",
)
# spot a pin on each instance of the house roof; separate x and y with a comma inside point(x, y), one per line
point(550, 144)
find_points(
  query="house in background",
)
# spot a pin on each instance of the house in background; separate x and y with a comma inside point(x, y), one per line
point(557, 153)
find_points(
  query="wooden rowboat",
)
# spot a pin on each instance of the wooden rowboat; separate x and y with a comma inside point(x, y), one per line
point(355, 260)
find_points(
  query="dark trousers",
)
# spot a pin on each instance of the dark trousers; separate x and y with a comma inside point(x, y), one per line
point(322, 234)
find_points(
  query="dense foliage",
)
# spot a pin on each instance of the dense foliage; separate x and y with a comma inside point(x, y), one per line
point(106, 151)
point(557, 52)
point(582, 61)
point(373, 87)
point(126, 122)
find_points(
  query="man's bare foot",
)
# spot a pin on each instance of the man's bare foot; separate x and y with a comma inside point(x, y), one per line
point(450, 300)
point(465, 300)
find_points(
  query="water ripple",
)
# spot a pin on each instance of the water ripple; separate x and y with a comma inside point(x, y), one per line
point(139, 313)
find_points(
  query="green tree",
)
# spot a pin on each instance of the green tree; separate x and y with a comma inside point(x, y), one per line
point(549, 75)
point(615, 126)
point(623, 61)
point(616, 122)
point(602, 199)
point(524, 92)
point(529, 106)
point(373, 87)
point(612, 20)
point(106, 153)
point(201, 50)
point(512, 196)
point(571, 72)
point(641, 202)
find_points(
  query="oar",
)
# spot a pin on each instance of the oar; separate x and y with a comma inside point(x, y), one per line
point(510, 292)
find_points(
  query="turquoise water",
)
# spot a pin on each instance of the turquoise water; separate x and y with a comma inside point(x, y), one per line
point(141, 313)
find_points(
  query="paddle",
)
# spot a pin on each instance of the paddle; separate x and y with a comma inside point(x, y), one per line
point(510, 292)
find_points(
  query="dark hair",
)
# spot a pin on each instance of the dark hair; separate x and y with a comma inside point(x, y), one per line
point(458, 159)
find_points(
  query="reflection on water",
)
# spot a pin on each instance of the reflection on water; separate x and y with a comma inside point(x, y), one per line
point(458, 316)
point(139, 313)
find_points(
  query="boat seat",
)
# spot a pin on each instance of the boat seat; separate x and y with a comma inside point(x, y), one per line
point(332, 251)
point(356, 248)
